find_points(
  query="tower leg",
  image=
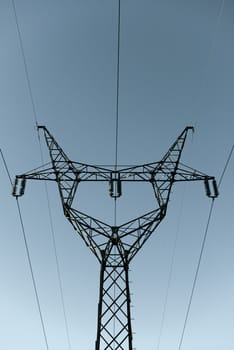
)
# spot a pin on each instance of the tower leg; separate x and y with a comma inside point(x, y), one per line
point(114, 331)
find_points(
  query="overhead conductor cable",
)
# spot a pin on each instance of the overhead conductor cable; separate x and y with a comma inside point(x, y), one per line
point(28, 255)
point(41, 154)
point(115, 188)
point(202, 249)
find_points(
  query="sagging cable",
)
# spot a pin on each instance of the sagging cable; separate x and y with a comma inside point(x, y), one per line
point(28, 255)
point(21, 190)
point(216, 188)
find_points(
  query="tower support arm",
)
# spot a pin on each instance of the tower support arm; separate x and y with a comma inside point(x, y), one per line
point(43, 174)
point(67, 182)
point(185, 173)
point(46, 174)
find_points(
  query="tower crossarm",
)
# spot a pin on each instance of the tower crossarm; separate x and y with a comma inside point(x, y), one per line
point(67, 182)
point(41, 173)
point(163, 181)
point(168, 170)
point(66, 173)
point(186, 173)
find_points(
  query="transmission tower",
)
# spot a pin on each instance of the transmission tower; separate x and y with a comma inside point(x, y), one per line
point(115, 246)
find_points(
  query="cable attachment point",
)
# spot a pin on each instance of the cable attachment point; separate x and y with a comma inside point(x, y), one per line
point(190, 128)
point(40, 127)
point(115, 185)
point(211, 193)
point(19, 187)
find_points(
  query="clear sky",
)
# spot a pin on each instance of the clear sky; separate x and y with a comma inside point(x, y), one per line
point(176, 69)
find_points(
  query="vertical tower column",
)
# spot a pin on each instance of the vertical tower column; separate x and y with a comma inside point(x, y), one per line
point(114, 331)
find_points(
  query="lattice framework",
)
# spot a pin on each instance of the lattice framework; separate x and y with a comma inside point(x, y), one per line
point(115, 246)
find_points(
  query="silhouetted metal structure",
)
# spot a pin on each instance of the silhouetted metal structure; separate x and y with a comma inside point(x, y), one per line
point(115, 246)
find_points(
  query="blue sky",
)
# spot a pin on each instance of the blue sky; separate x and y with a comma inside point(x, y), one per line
point(176, 69)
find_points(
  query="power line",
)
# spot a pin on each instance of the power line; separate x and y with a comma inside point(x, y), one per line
point(210, 51)
point(28, 255)
point(225, 167)
point(172, 264)
point(117, 100)
point(116, 135)
point(202, 250)
point(58, 268)
point(117, 86)
point(219, 16)
point(42, 161)
point(220, 13)
point(196, 274)
point(32, 274)
point(170, 274)
point(24, 62)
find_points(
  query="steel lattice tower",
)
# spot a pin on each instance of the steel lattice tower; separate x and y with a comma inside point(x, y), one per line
point(115, 246)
